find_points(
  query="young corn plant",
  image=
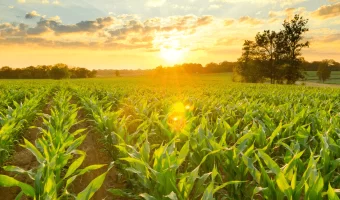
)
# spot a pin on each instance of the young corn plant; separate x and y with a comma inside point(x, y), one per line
point(16, 119)
point(58, 157)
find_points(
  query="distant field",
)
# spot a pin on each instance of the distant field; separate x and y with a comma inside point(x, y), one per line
point(335, 77)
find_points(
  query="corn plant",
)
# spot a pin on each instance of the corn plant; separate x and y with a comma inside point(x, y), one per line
point(58, 157)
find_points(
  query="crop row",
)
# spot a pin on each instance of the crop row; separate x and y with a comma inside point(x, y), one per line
point(59, 158)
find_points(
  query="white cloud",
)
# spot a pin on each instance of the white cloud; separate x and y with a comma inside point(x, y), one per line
point(282, 3)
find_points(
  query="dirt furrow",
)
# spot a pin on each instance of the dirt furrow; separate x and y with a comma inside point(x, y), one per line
point(95, 154)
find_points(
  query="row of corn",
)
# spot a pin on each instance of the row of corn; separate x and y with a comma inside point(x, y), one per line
point(21, 110)
point(59, 158)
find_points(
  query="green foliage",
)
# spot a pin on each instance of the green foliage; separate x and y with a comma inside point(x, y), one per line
point(324, 71)
point(188, 139)
point(59, 71)
point(56, 151)
point(274, 55)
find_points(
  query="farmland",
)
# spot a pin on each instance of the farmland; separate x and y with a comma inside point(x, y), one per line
point(334, 79)
point(189, 137)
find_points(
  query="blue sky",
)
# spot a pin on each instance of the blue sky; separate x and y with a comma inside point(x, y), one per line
point(144, 34)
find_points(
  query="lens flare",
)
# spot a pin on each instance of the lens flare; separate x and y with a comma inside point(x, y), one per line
point(178, 116)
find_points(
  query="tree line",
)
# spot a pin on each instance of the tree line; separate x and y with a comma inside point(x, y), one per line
point(274, 55)
point(57, 71)
point(187, 68)
point(196, 68)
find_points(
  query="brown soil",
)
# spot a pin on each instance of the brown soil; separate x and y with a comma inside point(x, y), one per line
point(95, 154)
point(23, 158)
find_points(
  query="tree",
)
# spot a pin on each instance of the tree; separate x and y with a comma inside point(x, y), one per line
point(324, 70)
point(292, 44)
point(267, 44)
point(59, 71)
point(250, 65)
point(117, 73)
point(275, 55)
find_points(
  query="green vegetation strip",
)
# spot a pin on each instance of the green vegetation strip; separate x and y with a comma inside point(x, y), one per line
point(58, 157)
point(14, 120)
point(248, 141)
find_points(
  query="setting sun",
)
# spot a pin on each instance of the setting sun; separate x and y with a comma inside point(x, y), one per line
point(171, 55)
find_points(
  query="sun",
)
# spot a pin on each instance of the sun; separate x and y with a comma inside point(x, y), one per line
point(171, 50)
point(171, 55)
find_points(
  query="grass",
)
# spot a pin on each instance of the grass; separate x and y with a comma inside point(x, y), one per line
point(335, 77)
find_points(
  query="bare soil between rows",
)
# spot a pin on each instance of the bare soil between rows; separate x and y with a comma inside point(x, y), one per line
point(95, 154)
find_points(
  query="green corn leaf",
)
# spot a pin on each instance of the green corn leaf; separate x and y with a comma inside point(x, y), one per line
point(225, 184)
point(75, 165)
point(93, 187)
point(283, 184)
point(272, 165)
point(183, 153)
point(28, 145)
point(147, 196)
point(6, 181)
point(15, 169)
point(331, 193)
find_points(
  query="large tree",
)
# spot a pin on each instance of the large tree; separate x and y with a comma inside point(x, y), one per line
point(293, 43)
point(266, 42)
point(275, 55)
point(250, 64)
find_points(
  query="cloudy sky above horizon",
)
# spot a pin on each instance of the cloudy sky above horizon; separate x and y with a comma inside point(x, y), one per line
point(135, 34)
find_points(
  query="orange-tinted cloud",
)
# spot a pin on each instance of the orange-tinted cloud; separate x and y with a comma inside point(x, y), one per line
point(250, 20)
point(327, 11)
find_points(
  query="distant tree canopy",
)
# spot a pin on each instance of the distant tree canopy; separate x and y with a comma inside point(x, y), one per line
point(313, 66)
point(324, 70)
point(185, 68)
point(57, 71)
point(196, 68)
point(274, 55)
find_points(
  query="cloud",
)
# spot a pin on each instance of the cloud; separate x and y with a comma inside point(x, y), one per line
point(327, 11)
point(187, 23)
point(121, 32)
point(54, 25)
point(250, 21)
point(283, 3)
point(32, 14)
point(228, 22)
point(155, 3)
point(286, 13)
point(21, 1)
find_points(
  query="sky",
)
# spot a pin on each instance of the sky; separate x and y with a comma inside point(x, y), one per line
point(141, 34)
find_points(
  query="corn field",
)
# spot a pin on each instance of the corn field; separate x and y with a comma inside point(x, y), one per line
point(191, 138)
